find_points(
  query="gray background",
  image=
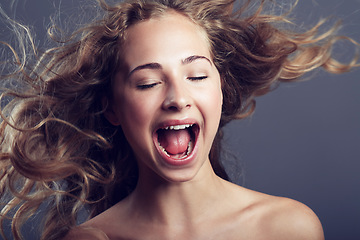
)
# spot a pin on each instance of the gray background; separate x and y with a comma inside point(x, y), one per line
point(303, 141)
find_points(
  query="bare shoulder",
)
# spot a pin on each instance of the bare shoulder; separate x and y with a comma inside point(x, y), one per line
point(289, 219)
point(282, 218)
point(85, 233)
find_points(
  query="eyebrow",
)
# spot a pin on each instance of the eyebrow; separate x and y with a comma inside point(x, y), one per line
point(145, 66)
point(194, 58)
point(155, 65)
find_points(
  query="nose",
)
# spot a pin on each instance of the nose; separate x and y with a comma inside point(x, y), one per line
point(176, 98)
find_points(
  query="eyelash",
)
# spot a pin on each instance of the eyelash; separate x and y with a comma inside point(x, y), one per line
point(197, 78)
point(146, 86)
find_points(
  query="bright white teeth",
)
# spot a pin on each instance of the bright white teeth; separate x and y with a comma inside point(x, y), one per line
point(190, 147)
point(188, 151)
point(163, 149)
point(178, 127)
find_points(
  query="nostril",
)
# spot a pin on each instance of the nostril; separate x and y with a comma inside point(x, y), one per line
point(176, 104)
point(177, 107)
point(173, 108)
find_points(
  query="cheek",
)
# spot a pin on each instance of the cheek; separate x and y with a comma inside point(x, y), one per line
point(216, 98)
point(211, 104)
point(133, 122)
point(218, 102)
point(133, 112)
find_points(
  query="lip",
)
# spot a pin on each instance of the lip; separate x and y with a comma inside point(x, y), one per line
point(174, 161)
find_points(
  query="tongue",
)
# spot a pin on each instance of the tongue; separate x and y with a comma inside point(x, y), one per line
point(174, 141)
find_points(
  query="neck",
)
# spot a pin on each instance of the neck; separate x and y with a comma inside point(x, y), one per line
point(177, 203)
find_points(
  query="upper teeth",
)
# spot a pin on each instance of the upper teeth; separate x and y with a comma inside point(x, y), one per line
point(178, 127)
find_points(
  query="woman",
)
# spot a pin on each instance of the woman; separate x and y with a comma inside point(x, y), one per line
point(128, 119)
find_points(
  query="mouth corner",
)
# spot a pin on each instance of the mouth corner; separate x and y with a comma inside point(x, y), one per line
point(195, 130)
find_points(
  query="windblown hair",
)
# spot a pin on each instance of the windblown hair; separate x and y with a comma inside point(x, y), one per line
point(57, 148)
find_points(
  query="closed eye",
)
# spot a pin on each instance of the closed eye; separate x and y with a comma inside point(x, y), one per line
point(197, 78)
point(146, 86)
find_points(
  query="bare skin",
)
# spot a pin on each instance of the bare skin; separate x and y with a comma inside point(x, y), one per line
point(213, 209)
point(187, 201)
point(232, 212)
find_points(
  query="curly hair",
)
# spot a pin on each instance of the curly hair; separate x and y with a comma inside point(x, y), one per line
point(57, 148)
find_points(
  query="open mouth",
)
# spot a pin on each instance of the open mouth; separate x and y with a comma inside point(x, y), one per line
point(177, 142)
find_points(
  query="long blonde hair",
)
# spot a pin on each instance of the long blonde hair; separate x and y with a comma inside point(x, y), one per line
point(58, 148)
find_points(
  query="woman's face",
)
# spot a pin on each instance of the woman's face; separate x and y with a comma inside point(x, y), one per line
point(167, 97)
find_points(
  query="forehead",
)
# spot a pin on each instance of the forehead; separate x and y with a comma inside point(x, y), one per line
point(170, 35)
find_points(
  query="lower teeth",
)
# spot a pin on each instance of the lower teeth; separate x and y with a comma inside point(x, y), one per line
point(190, 147)
point(188, 150)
